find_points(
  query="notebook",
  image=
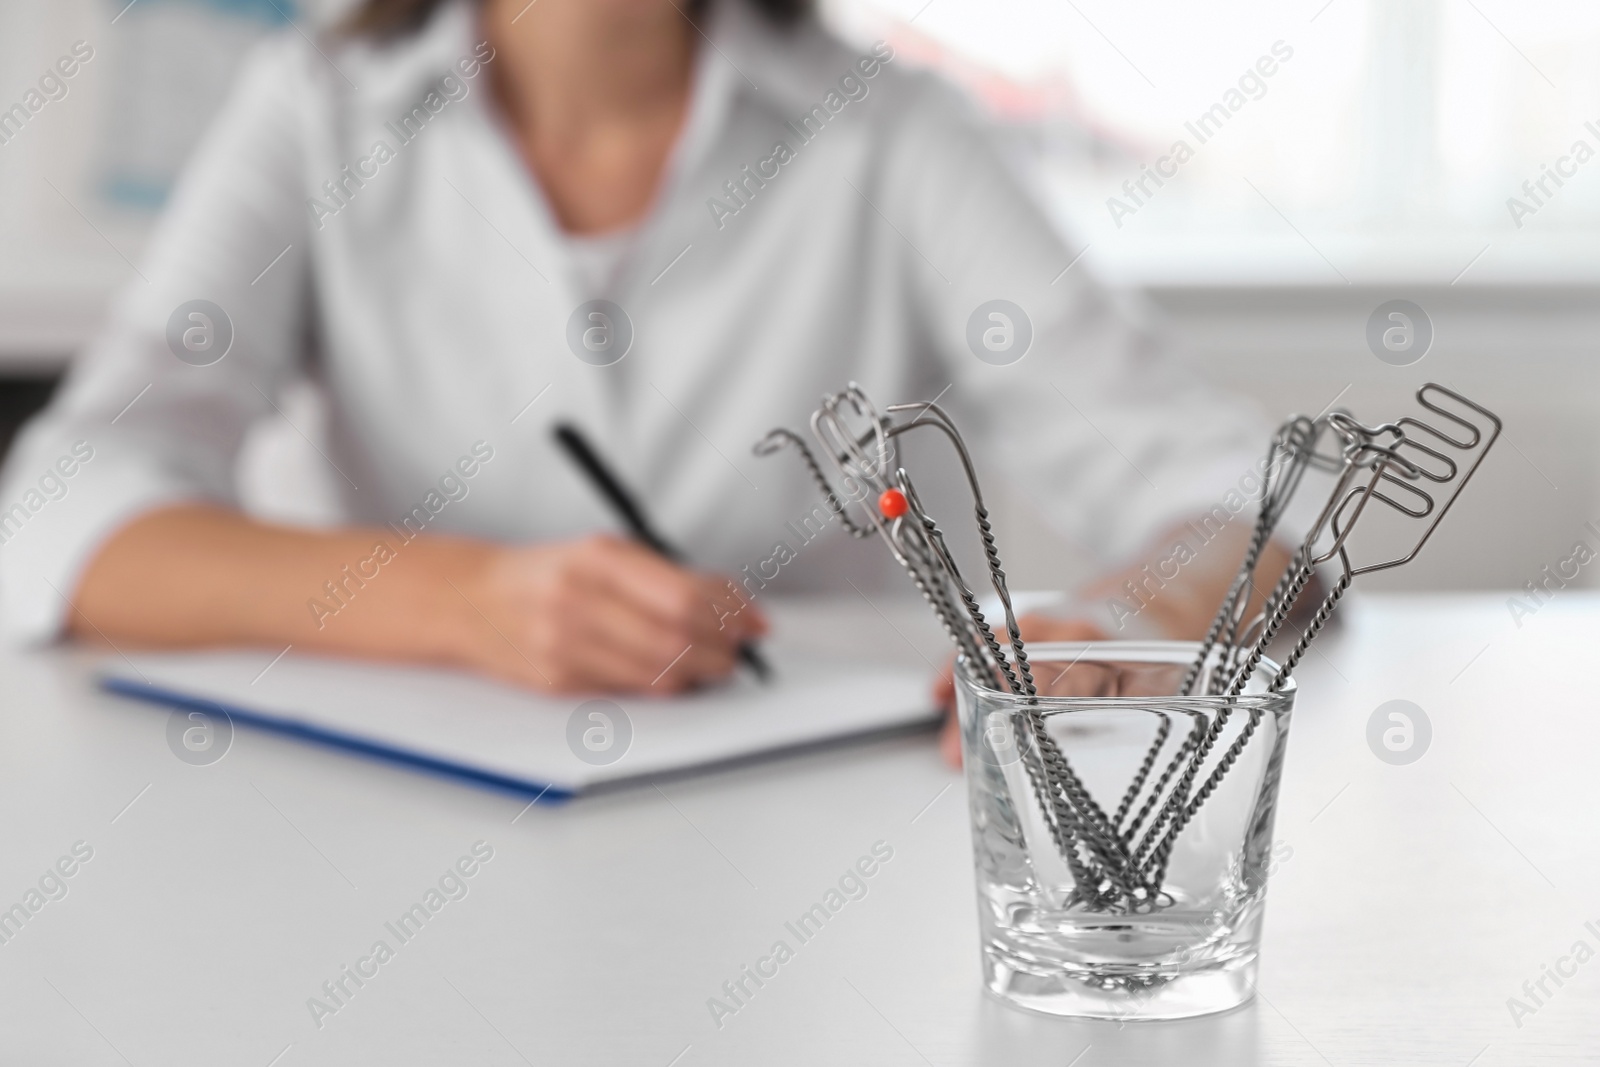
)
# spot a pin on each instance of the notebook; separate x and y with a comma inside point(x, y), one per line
point(460, 725)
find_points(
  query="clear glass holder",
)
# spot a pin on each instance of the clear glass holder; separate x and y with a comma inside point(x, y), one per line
point(1081, 909)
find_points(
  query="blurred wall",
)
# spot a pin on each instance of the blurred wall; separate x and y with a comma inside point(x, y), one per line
point(1526, 352)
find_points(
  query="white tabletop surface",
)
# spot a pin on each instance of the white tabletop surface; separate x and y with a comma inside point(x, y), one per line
point(1415, 901)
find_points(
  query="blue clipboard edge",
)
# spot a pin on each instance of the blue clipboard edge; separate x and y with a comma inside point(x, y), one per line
point(541, 792)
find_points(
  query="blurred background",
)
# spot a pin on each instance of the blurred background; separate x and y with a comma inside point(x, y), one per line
point(1378, 160)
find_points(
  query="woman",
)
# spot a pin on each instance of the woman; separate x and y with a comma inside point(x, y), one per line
point(421, 212)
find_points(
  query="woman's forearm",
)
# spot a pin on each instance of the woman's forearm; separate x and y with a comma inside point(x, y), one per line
point(199, 575)
point(598, 613)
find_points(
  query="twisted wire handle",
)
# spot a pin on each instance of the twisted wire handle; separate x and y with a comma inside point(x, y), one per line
point(777, 439)
point(1179, 798)
point(1317, 622)
point(1099, 836)
point(1190, 742)
point(997, 577)
point(922, 568)
point(1224, 617)
point(1230, 602)
point(1099, 831)
point(1158, 861)
point(1061, 790)
point(1275, 621)
point(1292, 446)
point(1066, 804)
point(934, 540)
point(1162, 732)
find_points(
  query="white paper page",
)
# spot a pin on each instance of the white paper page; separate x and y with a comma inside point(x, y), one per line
point(486, 726)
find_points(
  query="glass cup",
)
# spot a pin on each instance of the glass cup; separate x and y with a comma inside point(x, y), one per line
point(1121, 923)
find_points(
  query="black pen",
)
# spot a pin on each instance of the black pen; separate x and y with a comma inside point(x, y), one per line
point(623, 503)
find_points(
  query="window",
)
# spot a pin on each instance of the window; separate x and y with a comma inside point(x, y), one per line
point(1330, 141)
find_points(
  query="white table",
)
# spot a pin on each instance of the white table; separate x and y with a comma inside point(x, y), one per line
point(218, 900)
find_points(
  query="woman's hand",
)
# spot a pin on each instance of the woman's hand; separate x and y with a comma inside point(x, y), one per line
point(602, 614)
point(1035, 628)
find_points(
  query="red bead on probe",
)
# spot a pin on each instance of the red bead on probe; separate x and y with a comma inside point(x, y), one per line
point(893, 504)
